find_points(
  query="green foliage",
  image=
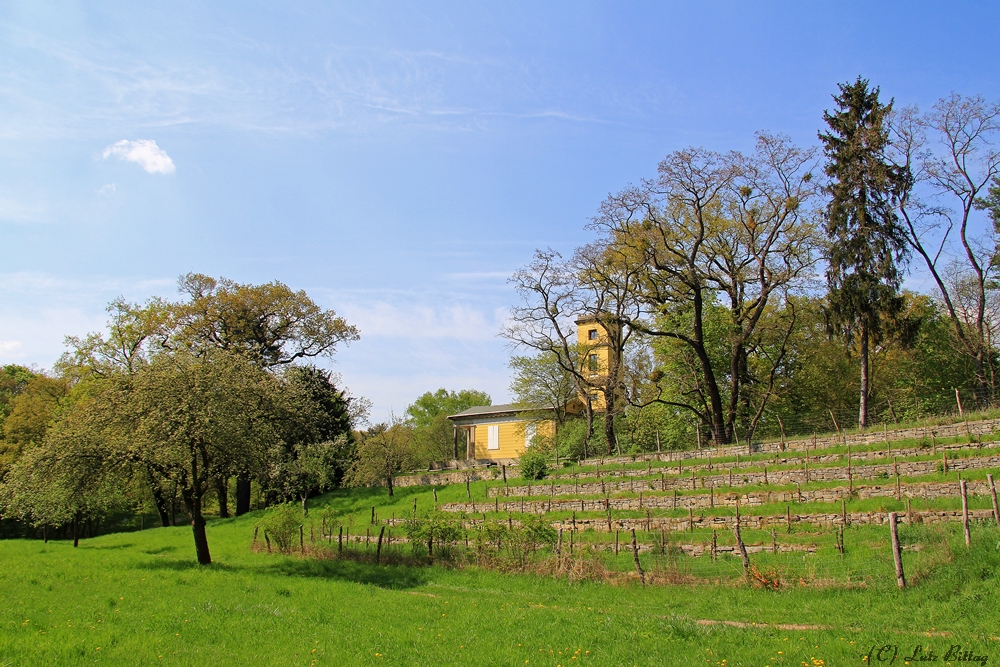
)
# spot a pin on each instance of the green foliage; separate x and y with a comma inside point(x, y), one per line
point(433, 434)
point(281, 525)
point(383, 451)
point(540, 380)
point(534, 463)
point(435, 534)
point(443, 403)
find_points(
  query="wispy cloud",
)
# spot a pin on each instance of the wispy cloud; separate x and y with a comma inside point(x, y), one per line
point(107, 188)
point(9, 349)
point(143, 152)
point(385, 320)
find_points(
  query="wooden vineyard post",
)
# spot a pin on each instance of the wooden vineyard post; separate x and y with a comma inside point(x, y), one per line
point(965, 512)
point(692, 481)
point(690, 520)
point(616, 543)
point(843, 512)
point(559, 543)
point(897, 554)
point(850, 475)
point(993, 494)
point(635, 557)
point(302, 541)
point(765, 475)
point(340, 540)
point(774, 541)
point(898, 494)
point(944, 462)
point(788, 519)
point(740, 546)
point(378, 550)
point(468, 488)
point(373, 515)
point(715, 545)
point(712, 497)
point(435, 494)
point(675, 499)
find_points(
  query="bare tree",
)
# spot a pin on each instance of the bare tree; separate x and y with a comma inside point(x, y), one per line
point(951, 151)
point(716, 225)
point(595, 283)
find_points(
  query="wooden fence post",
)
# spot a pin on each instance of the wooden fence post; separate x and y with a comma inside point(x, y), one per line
point(378, 550)
point(340, 540)
point(993, 493)
point(788, 518)
point(897, 553)
point(302, 541)
point(635, 557)
point(740, 546)
point(559, 543)
point(965, 512)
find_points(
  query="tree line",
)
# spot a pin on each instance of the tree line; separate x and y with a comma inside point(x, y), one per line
point(740, 291)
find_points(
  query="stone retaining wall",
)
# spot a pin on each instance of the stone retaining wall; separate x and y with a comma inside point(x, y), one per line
point(735, 477)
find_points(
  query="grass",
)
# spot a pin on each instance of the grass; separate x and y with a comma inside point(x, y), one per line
point(139, 599)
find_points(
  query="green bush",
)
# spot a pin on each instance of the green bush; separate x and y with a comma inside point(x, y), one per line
point(281, 525)
point(534, 464)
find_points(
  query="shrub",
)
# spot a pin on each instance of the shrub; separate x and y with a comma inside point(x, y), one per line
point(534, 464)
point(281, 525)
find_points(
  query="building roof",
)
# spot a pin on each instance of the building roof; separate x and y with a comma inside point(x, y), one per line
point(486, 410)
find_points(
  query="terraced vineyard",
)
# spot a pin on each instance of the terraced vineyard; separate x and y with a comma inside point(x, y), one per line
point(813, 511)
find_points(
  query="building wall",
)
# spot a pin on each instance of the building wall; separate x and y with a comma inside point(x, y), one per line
point(511, 438)
point(596, 347)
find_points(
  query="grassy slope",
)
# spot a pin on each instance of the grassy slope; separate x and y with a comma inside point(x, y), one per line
point(131, 598)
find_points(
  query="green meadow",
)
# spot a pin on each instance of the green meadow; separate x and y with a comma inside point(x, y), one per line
point(139, 598)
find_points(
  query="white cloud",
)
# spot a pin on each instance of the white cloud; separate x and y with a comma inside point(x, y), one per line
point(9, 349)
point(107, 188)
point(385, 320)
point(143, 152)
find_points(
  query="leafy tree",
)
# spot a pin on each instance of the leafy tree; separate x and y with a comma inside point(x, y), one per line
point(867, 244)
point(190, 419)
point(539, 380)
point(270, 324)
point(32, 411)
point(443, 402)
point(383, 451)
point(433, 433)
point(715, 231)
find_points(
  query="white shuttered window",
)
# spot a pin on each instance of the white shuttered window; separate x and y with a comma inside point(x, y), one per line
point(493, 436)
point(529, 432)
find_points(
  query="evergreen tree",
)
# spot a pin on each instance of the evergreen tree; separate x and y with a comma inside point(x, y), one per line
point(867, 244)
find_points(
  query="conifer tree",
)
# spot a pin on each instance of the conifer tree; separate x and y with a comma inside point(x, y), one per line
point(868, 248)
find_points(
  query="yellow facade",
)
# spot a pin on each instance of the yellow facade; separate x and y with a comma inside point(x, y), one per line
point(592, 341)
point(501, 432)
point(511, 438)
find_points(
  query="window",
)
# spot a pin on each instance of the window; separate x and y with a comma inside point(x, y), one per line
point(530, 431)
point(493, 436)
point(594, 363)
point(592, 334)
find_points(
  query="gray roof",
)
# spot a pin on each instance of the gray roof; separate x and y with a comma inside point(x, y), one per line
point(482, 410)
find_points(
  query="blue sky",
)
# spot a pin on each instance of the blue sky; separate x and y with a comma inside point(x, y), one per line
point(398, 161)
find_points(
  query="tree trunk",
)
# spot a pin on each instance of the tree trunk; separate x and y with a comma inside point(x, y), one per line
point(609, 423)
point(161, 503)
point(388, 481)
point(200, 538)
point(222, 491)
point(305, 510)
point(76, 529)
point(863, 411)
point(242, 494)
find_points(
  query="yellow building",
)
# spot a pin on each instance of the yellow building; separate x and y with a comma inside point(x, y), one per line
point(593, 342)
point(502, 432)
